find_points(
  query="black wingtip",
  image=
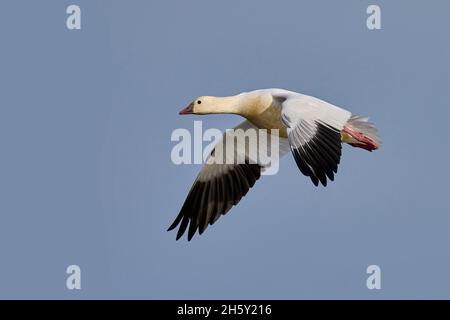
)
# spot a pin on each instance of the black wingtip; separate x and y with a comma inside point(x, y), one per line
point(314, 179)
point(191, 234)
point(173, 226)
point(318, 157)
point(209, 200)
point(175, 222)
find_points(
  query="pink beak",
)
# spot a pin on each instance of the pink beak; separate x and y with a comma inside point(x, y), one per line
point(188, 110)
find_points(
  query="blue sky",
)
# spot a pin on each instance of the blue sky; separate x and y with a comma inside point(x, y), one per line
point(86, 177)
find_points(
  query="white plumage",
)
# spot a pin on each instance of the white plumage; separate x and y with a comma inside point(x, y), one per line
point(311, 128)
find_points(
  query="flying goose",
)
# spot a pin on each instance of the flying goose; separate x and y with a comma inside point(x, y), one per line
point(312, 129)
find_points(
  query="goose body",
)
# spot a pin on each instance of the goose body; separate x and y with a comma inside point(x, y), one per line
point(312, 129)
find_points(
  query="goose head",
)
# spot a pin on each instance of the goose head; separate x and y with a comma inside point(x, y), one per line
point(210, 105)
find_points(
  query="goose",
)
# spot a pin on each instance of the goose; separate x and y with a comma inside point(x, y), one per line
point(311, 129)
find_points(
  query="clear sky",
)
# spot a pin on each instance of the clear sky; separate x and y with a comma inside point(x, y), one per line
point(85, 171)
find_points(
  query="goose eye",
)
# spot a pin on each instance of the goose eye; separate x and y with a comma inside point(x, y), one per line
point(199, 102)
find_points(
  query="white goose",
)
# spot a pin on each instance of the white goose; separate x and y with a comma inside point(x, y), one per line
point(311, 128)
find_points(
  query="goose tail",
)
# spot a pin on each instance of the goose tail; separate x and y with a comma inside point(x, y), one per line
point(359, 132)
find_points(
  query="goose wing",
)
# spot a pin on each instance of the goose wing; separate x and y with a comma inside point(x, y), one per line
point(314, 133)
point(220, 186)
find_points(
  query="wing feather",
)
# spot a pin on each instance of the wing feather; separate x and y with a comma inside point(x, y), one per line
point(314, 128)
point(218, 187)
